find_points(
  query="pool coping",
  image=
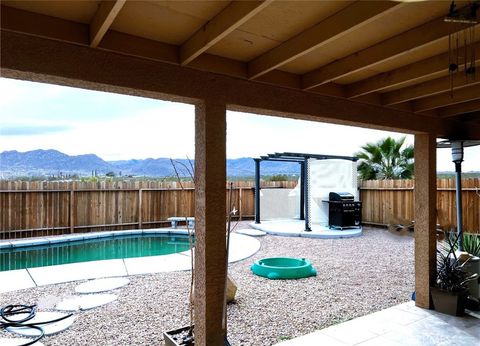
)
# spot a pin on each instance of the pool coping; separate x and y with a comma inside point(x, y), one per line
point(241, 247)
point(85, 236)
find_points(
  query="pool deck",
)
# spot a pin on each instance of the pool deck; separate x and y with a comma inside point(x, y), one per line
point(296, 228)
point(241, 247)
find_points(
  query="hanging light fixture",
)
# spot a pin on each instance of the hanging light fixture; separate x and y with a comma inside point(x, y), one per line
point(461, 43)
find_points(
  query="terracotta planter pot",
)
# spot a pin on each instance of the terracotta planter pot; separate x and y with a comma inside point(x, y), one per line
point(450, 303)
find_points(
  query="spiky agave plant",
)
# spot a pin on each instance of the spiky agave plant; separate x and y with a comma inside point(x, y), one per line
point(471, 243)
point(451, 275)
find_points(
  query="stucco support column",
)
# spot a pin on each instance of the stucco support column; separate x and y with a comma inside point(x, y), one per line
point(210, 218)
point(425, 217)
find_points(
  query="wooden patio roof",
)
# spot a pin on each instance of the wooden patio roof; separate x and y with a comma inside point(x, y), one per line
point(391, 55)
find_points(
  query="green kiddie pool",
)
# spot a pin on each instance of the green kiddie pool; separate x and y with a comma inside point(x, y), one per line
point(283, 268)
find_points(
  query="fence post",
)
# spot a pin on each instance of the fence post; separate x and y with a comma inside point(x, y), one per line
point(140, 208)
point(71, 211)
point(240, 189)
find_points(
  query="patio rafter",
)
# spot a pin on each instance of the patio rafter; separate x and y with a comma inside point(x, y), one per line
point(391, 48)
point(465, 107)
point(103, 19)
point(350, 18)
point(405, 84)
point(429, 88)
point(471, 92)
point(432, 67)
point(232, 17)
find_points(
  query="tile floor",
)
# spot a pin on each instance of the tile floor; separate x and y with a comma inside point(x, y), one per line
point(404, 324)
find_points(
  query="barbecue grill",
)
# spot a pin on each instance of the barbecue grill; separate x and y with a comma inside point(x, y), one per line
point(343, 211)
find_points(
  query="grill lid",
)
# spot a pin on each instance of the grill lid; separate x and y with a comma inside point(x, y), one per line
point(340, 196)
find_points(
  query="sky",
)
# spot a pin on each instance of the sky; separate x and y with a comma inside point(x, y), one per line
point(119, 127)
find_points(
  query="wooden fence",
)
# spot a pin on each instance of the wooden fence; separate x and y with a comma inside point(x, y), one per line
point(392, 201)
point(50, 208)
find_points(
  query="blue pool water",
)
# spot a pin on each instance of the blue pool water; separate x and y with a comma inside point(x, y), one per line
point(104, 248)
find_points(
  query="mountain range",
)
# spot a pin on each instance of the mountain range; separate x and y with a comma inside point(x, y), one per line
point(55, 163)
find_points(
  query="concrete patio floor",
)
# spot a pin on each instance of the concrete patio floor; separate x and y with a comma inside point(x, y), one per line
point(296, 228)
point(404, 324)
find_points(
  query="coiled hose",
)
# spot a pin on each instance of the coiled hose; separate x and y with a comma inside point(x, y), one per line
point(31, 310)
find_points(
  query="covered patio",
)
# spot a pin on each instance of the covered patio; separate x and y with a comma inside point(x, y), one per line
point(381, 65)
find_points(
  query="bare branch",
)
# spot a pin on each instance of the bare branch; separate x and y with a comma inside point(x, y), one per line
point(190, 172)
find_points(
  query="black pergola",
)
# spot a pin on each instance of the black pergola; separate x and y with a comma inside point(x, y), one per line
point(302, 159)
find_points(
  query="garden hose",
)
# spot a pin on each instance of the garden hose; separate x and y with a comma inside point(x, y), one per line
point(31, 310)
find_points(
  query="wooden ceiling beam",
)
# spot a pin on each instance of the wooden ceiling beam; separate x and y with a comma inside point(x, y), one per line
point(103, 19)
point(432, 87)
point(333, 27)
point(77, 33)
point(331, 89)
point(391, 48)
point(21, 40)
point(127, 44)
point(232, 17)
point(35, 24)
point(435, 66)
point(465, 107)
point(37, 59)
point(30, 23)
point(469, 93)
point(58, 29)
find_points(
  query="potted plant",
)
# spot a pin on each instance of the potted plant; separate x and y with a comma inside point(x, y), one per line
point(471, 245)
point(451, 291)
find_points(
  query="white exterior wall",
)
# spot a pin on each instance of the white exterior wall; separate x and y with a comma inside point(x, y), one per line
point(329, 176)
point(325, 176)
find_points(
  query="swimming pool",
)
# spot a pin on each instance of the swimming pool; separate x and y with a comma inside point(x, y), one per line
point(85, 250)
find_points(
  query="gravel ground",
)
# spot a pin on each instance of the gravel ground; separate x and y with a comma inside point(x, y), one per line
point(356, 276)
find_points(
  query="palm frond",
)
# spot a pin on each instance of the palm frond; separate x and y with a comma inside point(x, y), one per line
point(385, 159)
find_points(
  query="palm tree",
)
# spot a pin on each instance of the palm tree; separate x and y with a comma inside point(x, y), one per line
point(386, 160)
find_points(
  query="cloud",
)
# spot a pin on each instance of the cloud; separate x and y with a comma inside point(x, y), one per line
point(116, 127)
point(31, 130)
point(16, 91)
point(255, 135)
point(163, 131)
